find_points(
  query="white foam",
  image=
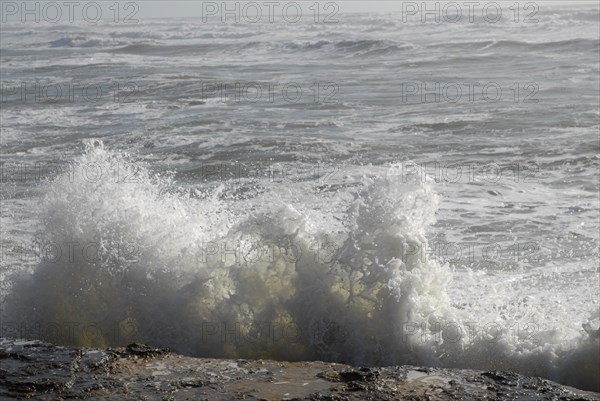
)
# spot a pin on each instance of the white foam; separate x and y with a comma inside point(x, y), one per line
point(339, 284)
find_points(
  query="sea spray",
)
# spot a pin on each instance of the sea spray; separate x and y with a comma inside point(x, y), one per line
point(301, 273)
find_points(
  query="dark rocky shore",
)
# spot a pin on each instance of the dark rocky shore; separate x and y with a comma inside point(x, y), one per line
point(41, 371)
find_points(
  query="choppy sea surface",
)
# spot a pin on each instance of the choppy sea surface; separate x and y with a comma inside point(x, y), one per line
point(373, 190)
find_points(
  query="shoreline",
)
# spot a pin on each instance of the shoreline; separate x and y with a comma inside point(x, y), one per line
point(42, 371)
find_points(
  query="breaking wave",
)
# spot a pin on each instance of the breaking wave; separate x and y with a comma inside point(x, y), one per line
point(268, 270)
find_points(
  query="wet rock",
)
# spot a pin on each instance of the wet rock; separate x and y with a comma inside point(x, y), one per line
point(41, 371)
point(145, 351)
point(503, 378)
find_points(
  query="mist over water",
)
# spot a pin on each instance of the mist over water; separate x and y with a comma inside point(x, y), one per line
point(358, 222)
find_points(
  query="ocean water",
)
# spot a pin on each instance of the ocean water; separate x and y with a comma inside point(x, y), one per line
point(370, 191)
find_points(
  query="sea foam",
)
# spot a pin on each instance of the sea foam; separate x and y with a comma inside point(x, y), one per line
point(291, 271)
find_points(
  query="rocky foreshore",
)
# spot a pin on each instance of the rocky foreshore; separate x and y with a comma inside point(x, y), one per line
point(42, 371)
